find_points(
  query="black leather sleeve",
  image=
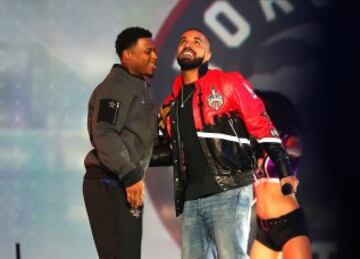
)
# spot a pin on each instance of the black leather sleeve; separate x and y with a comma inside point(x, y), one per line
point(280, 157)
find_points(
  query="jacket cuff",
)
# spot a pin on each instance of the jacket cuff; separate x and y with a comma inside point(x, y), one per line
point(132, 177)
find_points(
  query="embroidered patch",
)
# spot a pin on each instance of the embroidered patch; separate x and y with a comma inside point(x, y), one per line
point(215, 100)
point(108, 110)
point(135, 212)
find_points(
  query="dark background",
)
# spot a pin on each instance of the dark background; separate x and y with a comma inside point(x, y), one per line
point(339, 123)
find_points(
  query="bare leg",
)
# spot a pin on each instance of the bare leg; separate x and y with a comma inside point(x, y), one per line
point(259, 251)
point(297, 248)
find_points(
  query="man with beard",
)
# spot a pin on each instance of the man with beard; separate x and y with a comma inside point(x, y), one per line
point(208, 120)
point(122, 129)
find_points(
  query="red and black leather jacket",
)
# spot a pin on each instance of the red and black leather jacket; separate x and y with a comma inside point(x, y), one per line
point(227, 114)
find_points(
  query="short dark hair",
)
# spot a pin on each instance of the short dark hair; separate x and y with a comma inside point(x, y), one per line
point(129, 37)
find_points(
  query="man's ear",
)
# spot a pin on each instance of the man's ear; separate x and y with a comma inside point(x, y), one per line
point(126, 55)
point(208, 56)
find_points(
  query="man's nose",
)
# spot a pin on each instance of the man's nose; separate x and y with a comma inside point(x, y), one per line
point(154, 55)
point(188, 45)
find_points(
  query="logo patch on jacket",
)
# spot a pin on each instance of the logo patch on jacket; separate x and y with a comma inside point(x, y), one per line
point(108, 110)
point(215, 100)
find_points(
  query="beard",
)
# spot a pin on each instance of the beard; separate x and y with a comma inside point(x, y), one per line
point(187, 64)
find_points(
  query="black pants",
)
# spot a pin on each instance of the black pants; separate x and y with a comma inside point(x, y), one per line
point(117, 233)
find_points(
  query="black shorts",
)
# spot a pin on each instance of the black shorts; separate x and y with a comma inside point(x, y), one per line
point(275, 232)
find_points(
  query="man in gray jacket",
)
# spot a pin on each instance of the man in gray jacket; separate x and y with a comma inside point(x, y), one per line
point(121, 125)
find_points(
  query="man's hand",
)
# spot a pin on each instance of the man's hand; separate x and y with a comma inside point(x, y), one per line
point(135, 194)
point(292, 180)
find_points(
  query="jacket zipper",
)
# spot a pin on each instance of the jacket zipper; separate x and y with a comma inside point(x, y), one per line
point(231, 123)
